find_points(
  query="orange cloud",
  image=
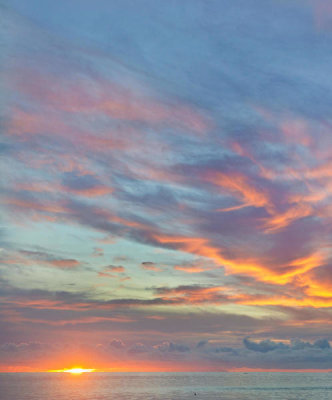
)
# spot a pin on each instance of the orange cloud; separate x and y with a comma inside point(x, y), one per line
point(202, 247)
point(118, 270)
point(316, 285)
point(240, 187)
point(313, 302)
point(251, 267)
point(106, 275)
point(150, 266)
point(115, 268)
point(282, 220)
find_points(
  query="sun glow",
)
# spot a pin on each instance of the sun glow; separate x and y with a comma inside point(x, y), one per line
point(75, 371)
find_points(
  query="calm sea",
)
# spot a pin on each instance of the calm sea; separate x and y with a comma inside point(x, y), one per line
point(166, 386)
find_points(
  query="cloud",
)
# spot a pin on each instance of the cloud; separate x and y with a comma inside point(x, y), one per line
point(98, 252)
point(265, 346)
point(150, 266)
point(170, 347)
point(201, 344)
point(13, 347)
point(195, 267)
point(24, 257)
point(115, 101)
point(85, 185)
point(239, 186)
point(117, 344)
point(138, 348)
point(65, 263)
point(195, 294)
point(114, 271)
point(115, 268)
point(322, 15)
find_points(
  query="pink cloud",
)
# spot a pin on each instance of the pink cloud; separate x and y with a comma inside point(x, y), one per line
point(35, 258)
point(114, 272)
point(150, 266)
point(65, 263)
point(195, 267)
point(322, 14)
point(95, 191)
point(108, 98)
point(115, 268)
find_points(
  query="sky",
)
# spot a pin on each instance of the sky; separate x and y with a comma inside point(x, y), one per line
point(166, 185)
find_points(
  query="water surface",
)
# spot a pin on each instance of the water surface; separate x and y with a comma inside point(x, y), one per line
point(166, 386)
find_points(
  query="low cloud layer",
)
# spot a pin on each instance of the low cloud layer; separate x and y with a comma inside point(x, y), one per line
point(262, 355)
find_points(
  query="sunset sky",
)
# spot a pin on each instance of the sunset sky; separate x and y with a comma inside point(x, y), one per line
point(166, 185)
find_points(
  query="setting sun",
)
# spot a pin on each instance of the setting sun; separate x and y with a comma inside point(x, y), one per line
point(75, 371)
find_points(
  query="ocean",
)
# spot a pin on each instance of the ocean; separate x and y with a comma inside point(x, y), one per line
point(166, 386)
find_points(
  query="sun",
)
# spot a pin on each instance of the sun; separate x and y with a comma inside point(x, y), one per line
point(75, 371)
point(78, 371)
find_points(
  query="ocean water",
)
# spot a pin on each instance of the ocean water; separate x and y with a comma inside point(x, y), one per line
point(166, 386)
